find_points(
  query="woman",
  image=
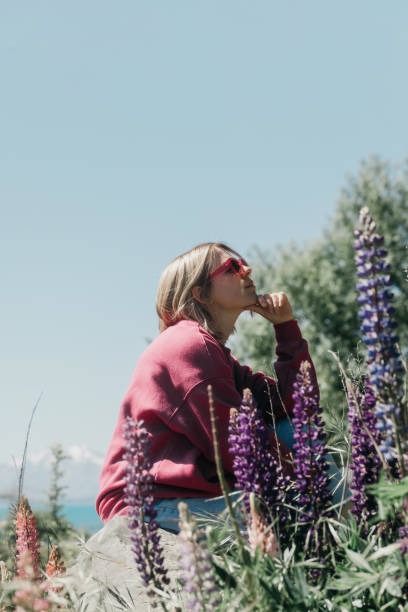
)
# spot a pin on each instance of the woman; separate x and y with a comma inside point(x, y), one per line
point(200, 297)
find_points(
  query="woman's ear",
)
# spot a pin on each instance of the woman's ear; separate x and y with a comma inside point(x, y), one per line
point(197, 292)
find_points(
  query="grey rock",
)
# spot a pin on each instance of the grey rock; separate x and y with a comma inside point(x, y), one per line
point(106, 566)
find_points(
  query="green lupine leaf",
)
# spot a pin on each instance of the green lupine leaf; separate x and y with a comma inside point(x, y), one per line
point(225, 576)
point(358, 560)
point(385, 551)
point(353, 580)
point(391, 586)
point(271, 589)
point(391, 491)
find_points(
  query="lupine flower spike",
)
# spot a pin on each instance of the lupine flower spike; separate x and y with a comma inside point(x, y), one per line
point(27, 540)
point(310, 465)
point(255, 468)
point(55, 567)
point(139, 497)
point(260, 534)
point(383, 356)
point(30, 594)
point(365, 463)
point(197, 573)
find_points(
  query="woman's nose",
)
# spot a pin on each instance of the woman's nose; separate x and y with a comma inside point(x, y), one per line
point(247, 270)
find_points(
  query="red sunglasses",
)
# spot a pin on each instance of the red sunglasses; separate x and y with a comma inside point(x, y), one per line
point(236, 265)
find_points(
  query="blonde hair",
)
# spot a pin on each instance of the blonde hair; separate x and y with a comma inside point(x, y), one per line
point(175, 299)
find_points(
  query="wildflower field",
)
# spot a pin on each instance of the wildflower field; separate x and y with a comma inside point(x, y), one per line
point(283, 544)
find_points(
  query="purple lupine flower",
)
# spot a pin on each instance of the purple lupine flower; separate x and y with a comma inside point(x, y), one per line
point(365, 463)
point(383, 356)
point(403, 534)
point(309, 463)
point(139, 497)
point(256, 469)
point(197, 572)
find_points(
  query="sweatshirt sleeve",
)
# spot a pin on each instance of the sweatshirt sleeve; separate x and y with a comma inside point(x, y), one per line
point(193, 418)
point(291, 350)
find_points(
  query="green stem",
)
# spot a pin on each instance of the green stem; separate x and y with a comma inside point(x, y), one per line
point(399, 448)
point(274, 424)
point(350, 390)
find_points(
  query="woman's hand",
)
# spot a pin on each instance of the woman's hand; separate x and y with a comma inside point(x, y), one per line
point(273, 306)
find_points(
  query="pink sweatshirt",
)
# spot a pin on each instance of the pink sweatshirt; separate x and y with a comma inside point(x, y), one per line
point(168, 392)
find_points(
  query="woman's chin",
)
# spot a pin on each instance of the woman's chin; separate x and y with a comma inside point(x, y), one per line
point(250, 303)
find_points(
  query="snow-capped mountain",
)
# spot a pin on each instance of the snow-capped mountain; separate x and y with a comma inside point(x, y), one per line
point(80, 475)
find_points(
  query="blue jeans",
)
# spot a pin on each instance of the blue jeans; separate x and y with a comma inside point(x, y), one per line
point(201, 507)
point(284, 429)
point(167, 511)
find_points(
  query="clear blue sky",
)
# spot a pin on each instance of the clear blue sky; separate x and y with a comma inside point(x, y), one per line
point(130, 131)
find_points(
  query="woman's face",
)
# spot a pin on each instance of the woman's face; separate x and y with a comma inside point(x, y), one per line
point(231, 290)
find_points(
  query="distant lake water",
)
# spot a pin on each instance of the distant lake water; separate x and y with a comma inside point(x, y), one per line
point(80, 515)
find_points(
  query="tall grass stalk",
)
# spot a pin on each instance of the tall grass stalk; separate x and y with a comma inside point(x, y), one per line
point(23, 462)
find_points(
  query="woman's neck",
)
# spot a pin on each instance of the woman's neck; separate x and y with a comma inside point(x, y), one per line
point(225, 322)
